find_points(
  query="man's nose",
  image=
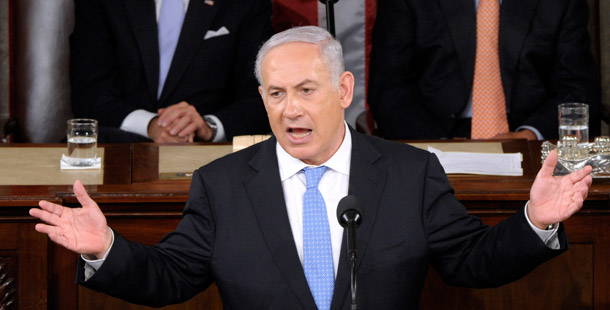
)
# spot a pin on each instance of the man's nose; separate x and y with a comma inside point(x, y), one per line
point(293, 107)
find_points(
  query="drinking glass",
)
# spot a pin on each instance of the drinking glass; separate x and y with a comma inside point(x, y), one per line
point(82, 142)
point(574, 121)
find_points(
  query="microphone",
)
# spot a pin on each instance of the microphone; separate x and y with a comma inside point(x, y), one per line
point(330, 15)
point(349, 214)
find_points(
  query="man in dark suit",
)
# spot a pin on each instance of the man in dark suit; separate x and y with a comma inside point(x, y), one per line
point(423, 66)
point(209, 91)
point(244, 226)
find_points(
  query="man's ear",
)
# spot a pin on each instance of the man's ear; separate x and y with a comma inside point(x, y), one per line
point(346, 88)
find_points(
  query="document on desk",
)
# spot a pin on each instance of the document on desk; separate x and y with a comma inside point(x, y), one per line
point(508, 164)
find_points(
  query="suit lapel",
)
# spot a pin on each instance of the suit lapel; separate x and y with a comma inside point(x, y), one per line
point(515, 20)
point(461, 21)
point(197, 22)
point(267, 198)
point(142, 19)
point(366, 182)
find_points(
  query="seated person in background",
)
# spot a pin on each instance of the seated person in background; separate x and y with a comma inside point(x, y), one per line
point(264, 236)
point(480, 68)
point(168, 70)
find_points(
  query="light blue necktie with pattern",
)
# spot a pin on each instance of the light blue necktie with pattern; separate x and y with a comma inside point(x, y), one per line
point(317, 249)
point(168, 28)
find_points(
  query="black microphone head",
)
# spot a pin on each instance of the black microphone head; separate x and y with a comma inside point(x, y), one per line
point(349, 209)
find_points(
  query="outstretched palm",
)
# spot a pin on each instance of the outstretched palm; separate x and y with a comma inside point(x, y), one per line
point(82, 230)
point(554, 199)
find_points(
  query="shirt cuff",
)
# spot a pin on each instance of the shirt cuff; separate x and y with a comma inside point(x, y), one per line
point(220, 131)
point(549, 237)
point(92, 265)
point(137, 122)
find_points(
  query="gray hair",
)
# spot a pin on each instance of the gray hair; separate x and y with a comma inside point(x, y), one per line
point(330, 49)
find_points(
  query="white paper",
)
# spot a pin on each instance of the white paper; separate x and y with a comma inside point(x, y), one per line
point(480, 163)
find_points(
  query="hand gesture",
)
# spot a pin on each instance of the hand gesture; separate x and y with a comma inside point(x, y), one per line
point(161, 135)
point(182, 119)
point(554, 199)
point(82, 230)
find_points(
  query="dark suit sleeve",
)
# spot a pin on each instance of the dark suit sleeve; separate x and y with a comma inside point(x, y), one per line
point(393, 96)
point(170, 272)
point(467, 253)
point(95, 86)
point(245, 114)
point(571, 78)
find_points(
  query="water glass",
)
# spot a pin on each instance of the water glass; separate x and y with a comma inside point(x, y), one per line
point(574, 121)
point(82, 142)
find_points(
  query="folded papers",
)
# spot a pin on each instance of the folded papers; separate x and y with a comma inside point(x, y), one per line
point(508, 164)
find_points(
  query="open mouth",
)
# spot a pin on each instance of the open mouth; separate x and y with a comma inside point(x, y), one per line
point(299, 133)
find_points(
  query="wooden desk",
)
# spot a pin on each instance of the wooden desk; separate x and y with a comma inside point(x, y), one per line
point(143, 208)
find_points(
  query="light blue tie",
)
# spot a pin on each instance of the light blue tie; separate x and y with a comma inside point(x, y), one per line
point(317, 249)
point(168, 28)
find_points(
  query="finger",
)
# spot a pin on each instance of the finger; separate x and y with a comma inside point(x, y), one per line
point(180, 125)
point(51, 207)
point(170, 116)
point(580, 173)
point(50, 212)
point(189, 129)
point(160, 111)
point(171, 113)
point(167, 138)
point(82, 196)
point(549, 165)
point(48, 229)
point(165, 116)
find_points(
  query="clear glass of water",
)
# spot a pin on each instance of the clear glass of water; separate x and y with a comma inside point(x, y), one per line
point(574, 121)
point(82, 142)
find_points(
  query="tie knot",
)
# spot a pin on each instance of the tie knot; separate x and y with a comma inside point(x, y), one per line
point(313, 175)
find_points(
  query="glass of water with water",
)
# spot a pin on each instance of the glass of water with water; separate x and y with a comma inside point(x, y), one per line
point(82, 142)
point(574, 121)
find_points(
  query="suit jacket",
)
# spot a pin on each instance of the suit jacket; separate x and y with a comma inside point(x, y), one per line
point(115, 61)
point(235, 231)
point(422, 64)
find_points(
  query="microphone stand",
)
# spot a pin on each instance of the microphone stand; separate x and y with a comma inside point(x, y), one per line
point(330, 15)
point(349, 215)
point(351, 236)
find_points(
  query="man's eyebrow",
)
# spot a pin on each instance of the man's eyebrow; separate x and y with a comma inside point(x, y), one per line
point(270, 87)
point(299, 85)
point(307, 81)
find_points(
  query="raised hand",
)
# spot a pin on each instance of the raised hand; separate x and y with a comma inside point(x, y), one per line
point(554, 199)
point(82, 230)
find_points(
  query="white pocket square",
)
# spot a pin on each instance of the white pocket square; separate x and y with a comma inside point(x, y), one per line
point(220, 32)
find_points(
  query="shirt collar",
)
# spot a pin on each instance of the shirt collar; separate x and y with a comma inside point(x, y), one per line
point(340, 161)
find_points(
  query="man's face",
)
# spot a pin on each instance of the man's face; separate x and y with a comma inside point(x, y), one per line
point(305, 110)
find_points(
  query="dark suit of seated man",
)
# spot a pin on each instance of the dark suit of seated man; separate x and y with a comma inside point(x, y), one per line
point(206, 91)
point(423, 67)
point(246, 225)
